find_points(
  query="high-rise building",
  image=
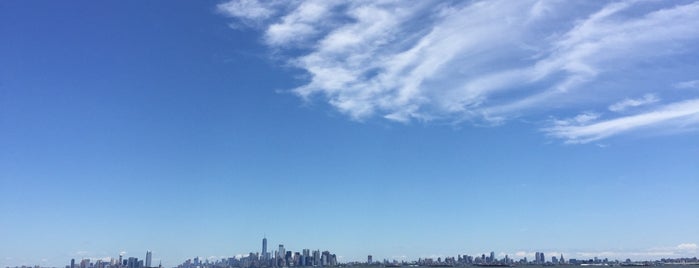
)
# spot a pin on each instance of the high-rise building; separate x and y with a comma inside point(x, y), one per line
point(132, 262)
point(369, 259)
point(316, 257)
point(149, 255)
point(492, 256)
point(307, 261)
point(281, 252)
point(264, 248)
point(539, 258)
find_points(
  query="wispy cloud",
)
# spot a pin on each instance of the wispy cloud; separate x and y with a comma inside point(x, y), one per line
point(681, 250)
point(629, 103)
point(677, 115)
point(485, 61)
point(691, 247)
point(687, 84)
point(250, 12)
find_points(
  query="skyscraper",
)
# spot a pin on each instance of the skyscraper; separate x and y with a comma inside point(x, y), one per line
point(72, 263)
point(281, 252)
point(540, 258)
point(264, 248)
point(149, 255)
point(316, 257)
point(132, 262)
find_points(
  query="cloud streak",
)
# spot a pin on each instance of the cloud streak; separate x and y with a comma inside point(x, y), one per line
point(484, 61)
point(630, 103)
point(675, 115)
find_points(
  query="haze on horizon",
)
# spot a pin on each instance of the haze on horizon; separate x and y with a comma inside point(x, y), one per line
point(392, 128)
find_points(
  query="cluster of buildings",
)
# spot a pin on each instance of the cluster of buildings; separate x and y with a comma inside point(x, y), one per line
point(280, 257)
point(122, 262)
point(464, 260)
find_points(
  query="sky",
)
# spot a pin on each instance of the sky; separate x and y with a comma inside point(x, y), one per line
point(400, 129)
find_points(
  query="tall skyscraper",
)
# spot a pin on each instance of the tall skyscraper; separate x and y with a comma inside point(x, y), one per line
point(149, 255)
point(281, 252)
point(132, 262)
point(316, 257)
point(307, 257)
point(72, 263)
point(264, 248)
point(540, 258)
point(369, 259)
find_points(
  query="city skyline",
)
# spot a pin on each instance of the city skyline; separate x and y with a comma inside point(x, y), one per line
point(289, 258)
point(387, 128)
point(272, 259)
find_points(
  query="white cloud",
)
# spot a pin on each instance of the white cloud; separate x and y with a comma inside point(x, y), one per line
point(521, 254)
point(677, 114)
point(629, 103)
point(625, 254)
point(300, 23)
point(251, 12)
point(578, 119)
point(688, 246)
point(687, 84)
point(680, 250)
point(480, 60)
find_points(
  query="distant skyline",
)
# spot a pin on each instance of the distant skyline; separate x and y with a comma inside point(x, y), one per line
point(513, 256)
point(391, 128)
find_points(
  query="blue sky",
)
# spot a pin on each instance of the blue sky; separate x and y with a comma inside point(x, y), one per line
point(402, 130)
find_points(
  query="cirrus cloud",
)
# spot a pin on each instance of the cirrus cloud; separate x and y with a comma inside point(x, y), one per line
point(488, 61)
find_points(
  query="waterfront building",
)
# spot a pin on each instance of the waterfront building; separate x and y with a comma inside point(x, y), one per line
point(264, 248)
point(316, 257)
point(149, 255)
point(281, 252)
point(131, 262)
